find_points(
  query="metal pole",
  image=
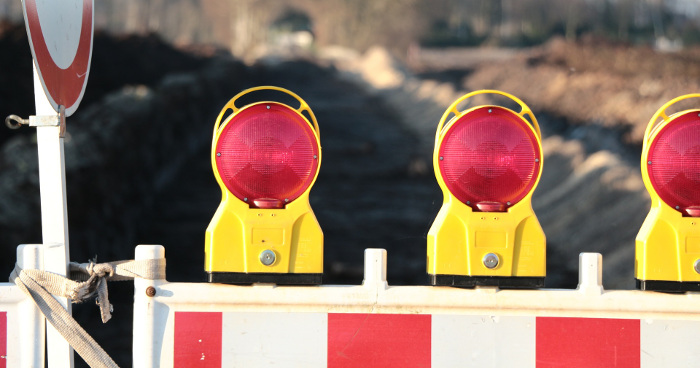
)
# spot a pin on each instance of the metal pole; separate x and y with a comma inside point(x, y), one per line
point(54, 216)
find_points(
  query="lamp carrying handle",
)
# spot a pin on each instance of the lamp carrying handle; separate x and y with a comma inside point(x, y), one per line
point(452, 109)
point(661, 114)
point(231, 104)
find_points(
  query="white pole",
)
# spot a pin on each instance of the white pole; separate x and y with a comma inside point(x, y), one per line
point(54, 216)
point(146, 347)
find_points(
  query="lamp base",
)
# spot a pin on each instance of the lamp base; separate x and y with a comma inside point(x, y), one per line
point(265, 278)
point(668, 286)
point(500, 281)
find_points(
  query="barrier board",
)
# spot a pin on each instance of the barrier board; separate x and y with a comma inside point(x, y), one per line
point(22, 327)
point(375, 325)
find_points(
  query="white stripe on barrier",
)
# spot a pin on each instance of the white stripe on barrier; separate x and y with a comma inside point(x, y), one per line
point(483, 341)
point(274, 339)
point(670, 343)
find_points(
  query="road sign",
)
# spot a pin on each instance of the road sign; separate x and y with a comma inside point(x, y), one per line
point(60, 36)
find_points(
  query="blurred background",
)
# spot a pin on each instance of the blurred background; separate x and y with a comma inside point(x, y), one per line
point(378, 74)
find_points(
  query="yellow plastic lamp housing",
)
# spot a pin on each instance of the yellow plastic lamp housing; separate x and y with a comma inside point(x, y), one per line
point(488, 161)
point(667, 252)
point(265, 156)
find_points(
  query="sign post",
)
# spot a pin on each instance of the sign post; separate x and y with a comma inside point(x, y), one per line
point(60, 36)
point(54, 219)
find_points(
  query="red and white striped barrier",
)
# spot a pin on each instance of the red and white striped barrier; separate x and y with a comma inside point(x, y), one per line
point(22, 327)
point(339, 340)
point(374, 325)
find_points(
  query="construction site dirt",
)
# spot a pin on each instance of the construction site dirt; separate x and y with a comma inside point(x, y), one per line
point(139, 170)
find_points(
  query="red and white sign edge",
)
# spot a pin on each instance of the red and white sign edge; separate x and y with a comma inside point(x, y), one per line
point(60, 36)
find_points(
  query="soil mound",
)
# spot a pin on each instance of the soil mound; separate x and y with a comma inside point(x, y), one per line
point(592, 82)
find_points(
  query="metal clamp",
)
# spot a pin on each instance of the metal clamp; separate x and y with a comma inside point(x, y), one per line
point(59, 120)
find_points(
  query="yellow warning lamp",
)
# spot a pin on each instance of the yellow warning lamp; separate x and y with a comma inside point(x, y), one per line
point(667, 253)
point(488, 161)
point(265, 156)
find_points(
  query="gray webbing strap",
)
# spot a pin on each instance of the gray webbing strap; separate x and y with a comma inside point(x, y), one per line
point(92, 280)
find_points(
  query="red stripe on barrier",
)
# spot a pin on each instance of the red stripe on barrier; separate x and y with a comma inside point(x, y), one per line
point(587, 342)
point(3, 339)
point(378, 340)
point(197, 339)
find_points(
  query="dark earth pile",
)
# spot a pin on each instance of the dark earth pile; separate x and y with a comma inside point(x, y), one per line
point(594, 82)
point(138, 169)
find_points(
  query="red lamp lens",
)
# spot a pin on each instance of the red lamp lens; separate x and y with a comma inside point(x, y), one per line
point(489, 159)
point(267, 155)
point(673, 163)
